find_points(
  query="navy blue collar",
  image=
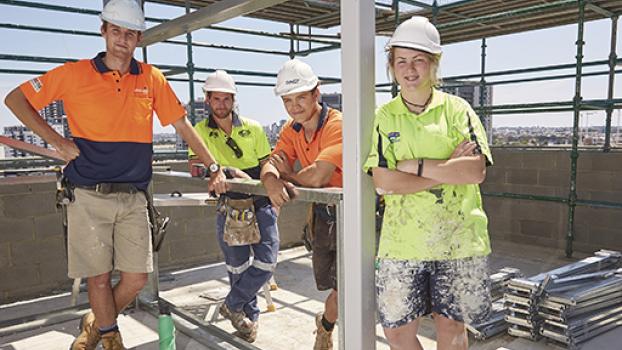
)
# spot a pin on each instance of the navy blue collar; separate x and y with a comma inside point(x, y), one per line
point(297, 126)
point(211, 122)
point(100, 66)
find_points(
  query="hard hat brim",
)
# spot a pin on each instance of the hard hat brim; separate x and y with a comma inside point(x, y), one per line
point(123, 24)
point(408, 45)
point(303, 88)
point(205, 90)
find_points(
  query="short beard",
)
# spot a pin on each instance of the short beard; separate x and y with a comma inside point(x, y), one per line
point(217, 115)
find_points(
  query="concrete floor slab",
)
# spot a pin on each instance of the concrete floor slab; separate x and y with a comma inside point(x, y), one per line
point(290, 327)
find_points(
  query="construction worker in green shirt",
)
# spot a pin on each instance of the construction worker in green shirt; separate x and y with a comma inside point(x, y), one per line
point(429, 153)
point(246, 225)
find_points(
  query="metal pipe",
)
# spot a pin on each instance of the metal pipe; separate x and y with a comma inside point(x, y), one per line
point(574, 155)
point(483, 115)
point(610, 86)
point(69, 9)
point(511, 13)
point(161, 66)
point(292, 53)
point(190, 69)
point(396, 9)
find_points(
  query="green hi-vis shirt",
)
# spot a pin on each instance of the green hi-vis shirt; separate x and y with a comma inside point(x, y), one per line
point(246, 133)
point(446, 221)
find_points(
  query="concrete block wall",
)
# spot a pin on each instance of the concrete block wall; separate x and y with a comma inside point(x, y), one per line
point(547, 172)
point(32, 248)
point(33, 260)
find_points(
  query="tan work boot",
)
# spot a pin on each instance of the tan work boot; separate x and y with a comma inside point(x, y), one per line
point(323, 338)
point(112, 341)
point(239, 321)
point(89, 334)
point(250, 336)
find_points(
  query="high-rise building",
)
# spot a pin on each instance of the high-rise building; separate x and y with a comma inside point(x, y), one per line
point(54, 115)
point(199, 114)
point(333, 100)
point(471, 91)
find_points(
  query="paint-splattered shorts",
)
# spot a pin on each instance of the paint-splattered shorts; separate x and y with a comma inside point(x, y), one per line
point(408, 289)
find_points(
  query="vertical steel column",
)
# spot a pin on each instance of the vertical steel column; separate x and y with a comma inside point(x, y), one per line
point(292, 52)
point(396, 8)
point(574, 154)
point(483, 115)
point(357, 310)
point(151, 291)
point(434, 12)
point(190, 69)
point(612, 68)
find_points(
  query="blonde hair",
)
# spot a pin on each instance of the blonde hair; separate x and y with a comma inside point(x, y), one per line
point(435, 61)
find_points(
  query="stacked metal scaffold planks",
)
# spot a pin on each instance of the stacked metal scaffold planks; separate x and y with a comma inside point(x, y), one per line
point(570, 304)
point(495, 322)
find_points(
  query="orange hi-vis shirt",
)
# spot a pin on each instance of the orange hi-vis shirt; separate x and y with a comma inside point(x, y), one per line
point(110, 116)
point(326, 144)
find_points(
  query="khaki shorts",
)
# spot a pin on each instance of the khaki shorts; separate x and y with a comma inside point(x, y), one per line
point(106, 232)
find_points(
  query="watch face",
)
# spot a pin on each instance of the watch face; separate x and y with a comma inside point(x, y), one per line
point(214, 167)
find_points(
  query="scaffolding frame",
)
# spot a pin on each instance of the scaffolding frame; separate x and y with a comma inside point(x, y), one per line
point(363, 22)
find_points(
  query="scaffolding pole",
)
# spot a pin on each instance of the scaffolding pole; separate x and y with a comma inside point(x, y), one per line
point(574, 154)
point(612, 72)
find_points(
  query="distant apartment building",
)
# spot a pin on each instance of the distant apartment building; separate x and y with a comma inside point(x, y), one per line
point(196, 109)
point(333, 100)
point(54, 115)
point(472, 92)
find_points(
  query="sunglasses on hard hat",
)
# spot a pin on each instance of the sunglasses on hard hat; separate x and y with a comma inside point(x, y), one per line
point(234, 147)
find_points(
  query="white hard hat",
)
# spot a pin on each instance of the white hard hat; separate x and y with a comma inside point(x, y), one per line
point(295, 76)
point(124, 13)
point(219, 81)
point(416, 33)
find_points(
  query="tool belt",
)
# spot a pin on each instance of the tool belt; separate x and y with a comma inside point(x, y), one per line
point(157, 222)
point(240, 221)
point(110, 187)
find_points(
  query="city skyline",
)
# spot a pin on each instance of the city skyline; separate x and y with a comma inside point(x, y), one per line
point(521, 50)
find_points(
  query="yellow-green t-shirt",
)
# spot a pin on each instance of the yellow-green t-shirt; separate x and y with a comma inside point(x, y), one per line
point(446, 221)
point(246, 133)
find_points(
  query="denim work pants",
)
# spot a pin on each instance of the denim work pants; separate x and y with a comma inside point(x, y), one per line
point(249, 272)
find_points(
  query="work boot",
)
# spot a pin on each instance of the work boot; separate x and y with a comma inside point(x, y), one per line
point(323, 338)
point(238, 319)
point(89, 334)
point(250, 336)
point(112, 341)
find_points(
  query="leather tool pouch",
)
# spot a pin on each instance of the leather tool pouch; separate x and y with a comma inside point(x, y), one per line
point(240, 222)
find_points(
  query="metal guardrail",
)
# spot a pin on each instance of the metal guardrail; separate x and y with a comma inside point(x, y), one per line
point(150, 298)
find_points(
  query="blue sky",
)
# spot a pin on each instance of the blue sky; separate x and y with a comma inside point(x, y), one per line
point(529, 49)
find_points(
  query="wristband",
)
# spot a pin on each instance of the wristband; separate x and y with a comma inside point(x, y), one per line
point(420, 168)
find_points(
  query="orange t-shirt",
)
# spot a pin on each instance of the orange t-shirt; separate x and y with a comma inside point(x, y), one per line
point(326, 144)
point(110, 117)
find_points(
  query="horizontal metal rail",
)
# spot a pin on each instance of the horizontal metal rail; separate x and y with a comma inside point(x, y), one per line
point(319, 195)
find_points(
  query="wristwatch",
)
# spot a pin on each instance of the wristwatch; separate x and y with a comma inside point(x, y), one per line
point(213, 168)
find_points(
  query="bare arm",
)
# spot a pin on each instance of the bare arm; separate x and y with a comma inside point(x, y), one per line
point(23, 110)
point(457, 171)
point(217, 181)
point(315, 175)
point(389, 181)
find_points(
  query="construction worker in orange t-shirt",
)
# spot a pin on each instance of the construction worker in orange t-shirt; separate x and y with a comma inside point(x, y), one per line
point(313, 137)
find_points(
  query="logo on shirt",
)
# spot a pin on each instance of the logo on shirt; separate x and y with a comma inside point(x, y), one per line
point(36, 84)
point(213, 133)
point(394, 136)
point(143, 92)
point(244, 133)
